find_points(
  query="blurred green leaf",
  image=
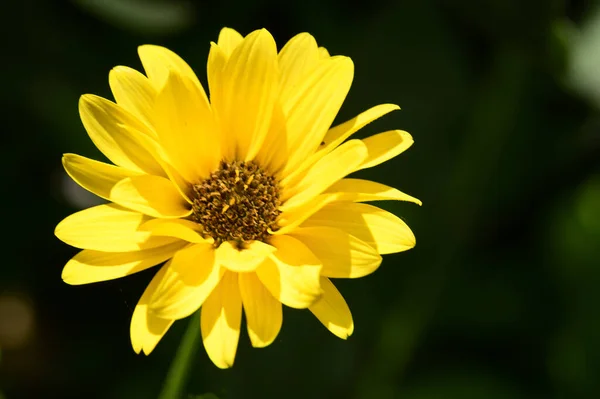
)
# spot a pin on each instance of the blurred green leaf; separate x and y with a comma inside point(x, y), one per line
point(144, 16)
point(584, 70)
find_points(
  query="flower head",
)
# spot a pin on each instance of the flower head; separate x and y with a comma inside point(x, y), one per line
point(243, 196)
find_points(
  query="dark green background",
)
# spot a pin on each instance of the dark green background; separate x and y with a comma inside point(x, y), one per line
point(499, 299)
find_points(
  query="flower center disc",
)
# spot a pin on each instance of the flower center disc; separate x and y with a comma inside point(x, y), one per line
point(238, 202)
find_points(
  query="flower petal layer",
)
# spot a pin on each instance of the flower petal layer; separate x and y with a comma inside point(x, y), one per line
point(359, 190)
point(189, 279)
point(331, 310)
point(313, 107)
point(151, 195)
point(133, 92)
point(186, 129)
point(290, 220)
point(274, 152)
point(220, 319)
point(342, 255)
point(383, 230)
point(246, 259)
point(146, 329)
point(331, 168)
point(108, 228)
point(217, 58)
point(159, 62)
point(97, 177)
point(158, 153)
point(292, 273)
point(90, 266)
point(264, 315)
point(228, 40)
point(337, 134)
point(249, 90)
point(113, 130)
point(297, 59)
point(178, 228)
point(385, 146)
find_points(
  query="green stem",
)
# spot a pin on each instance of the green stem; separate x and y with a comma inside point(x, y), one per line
point(180, 368)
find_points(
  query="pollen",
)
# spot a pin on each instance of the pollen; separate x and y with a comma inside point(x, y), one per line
point(239, 202)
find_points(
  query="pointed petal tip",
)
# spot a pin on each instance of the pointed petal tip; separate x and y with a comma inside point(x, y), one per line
point(392, 107)
point(116, 69)
point(223, 365)
point(66, 156)
point(344, 333)
point(262, 34)
point(344, 61)
point(349, 332)
point(70, 278)
point(85, 100)
point(66, 278)
point(57, 229)
point(406, 136)
point(228, 30)
point(146, 47)
point(147, 351)
point(415, 201)
point(259, 345)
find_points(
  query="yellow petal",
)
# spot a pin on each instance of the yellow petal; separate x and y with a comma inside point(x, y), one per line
point(292, 273)
point(228, 40)
point(245, 260)
point(342, 255)
point(220, 319)
point(146, 329)
point(159, 154)
point(108, 228)
point(323, 53)
point(96, 177)
point(336, 135)
point(384, 231)
point(133, 92)
point(113, 130)
point(313, 106)
point(189, 279)
point(359, 190)
point(178, 228)
point(340, 162)
point(186, 128)
point(158, 63)
point(331, 310)
point(250, 83)
point(274, 153)
point(151, 195)
point(297, 59)
point(263, 312)
point(184, 188)
point(92, 266)
point(385, 146)
point(290, 220)
point(217, 58)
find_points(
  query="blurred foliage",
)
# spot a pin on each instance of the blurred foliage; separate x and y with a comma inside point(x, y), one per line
point(498, 299)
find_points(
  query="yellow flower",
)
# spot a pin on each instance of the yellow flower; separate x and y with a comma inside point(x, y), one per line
point(244, 196)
